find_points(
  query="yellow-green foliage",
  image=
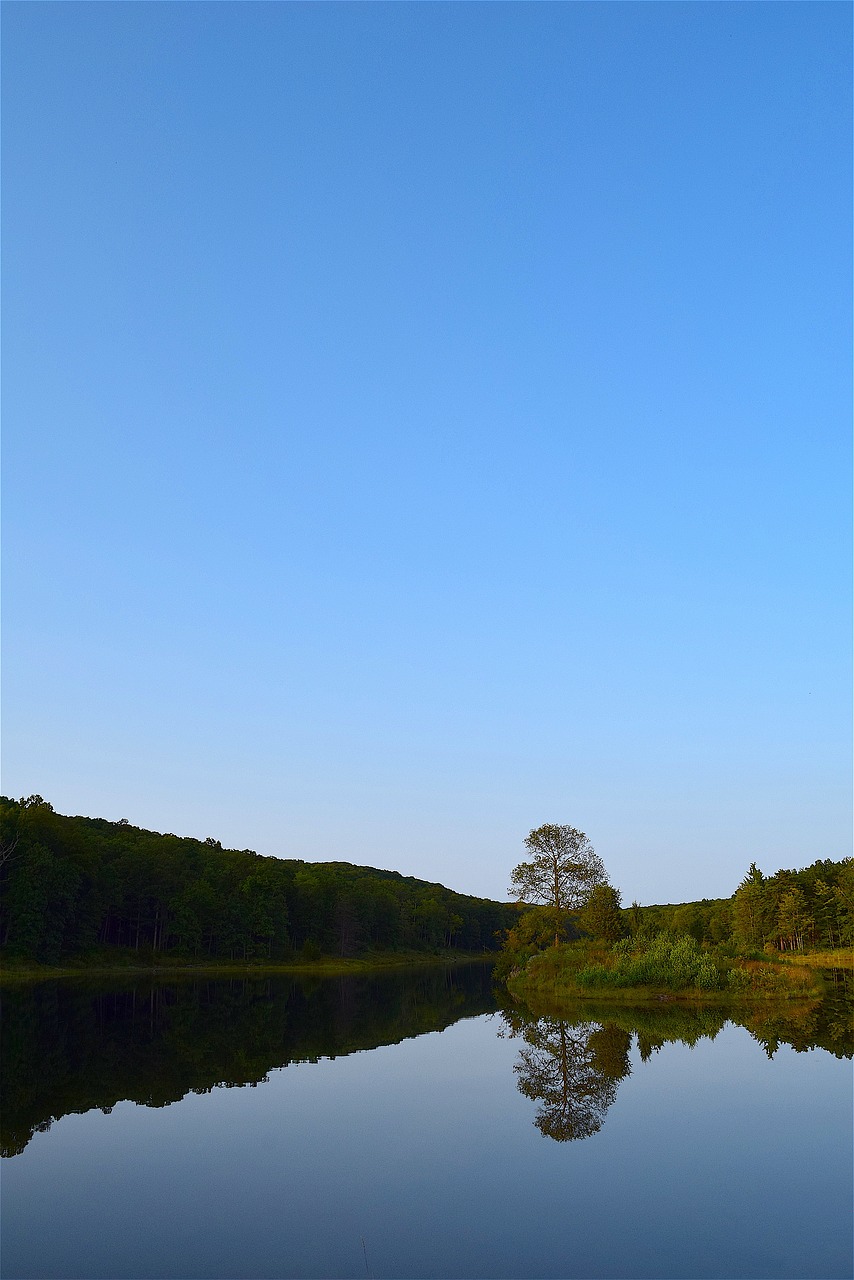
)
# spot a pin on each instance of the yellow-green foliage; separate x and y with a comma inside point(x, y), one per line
point(752, 977)
point(838, 958)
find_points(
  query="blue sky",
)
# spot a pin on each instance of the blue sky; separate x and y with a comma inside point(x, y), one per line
point(426, 421)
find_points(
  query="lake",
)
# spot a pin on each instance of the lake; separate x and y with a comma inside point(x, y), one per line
point(413, 1124)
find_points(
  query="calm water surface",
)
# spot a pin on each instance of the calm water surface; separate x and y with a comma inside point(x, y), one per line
point(406, 1126)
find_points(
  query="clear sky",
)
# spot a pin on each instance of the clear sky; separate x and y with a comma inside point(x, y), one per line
point(426, 421)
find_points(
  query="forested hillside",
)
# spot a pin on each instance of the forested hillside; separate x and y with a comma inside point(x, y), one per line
point(789, 910)
point(71, 885)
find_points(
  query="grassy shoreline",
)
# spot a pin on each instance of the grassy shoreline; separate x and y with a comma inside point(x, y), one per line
point(586, 973)
point(326, 966)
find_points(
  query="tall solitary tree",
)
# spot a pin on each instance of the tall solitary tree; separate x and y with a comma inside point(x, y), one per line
point(562, 873)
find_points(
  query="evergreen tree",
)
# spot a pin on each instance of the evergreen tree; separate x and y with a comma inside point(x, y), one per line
point(749, 910)
point(601, 916)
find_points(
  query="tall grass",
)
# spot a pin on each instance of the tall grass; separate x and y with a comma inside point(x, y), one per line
point(772, 980)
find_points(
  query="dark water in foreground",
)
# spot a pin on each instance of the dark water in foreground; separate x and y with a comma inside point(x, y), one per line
point(404, 1126)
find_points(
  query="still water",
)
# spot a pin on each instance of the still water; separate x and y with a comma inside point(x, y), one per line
point(406, 1125)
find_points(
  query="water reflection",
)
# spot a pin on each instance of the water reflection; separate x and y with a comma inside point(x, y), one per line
point(572, 1064)
point(571, 1069)
point(72, 1046)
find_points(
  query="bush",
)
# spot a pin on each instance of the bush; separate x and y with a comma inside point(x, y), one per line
point(667, 960)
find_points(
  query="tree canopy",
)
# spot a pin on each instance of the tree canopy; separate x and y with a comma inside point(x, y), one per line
point(601, 915)
point(71, 885)
point(562, 873)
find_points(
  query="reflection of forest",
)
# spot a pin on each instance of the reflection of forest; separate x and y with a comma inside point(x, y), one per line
point(71, 1046)
point(572, 1064)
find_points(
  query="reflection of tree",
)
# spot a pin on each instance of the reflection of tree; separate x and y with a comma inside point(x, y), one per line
point(572, 1065)
point(573, 1070)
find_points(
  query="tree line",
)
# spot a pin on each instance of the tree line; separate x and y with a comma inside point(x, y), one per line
point(791, 910)
point(564, 893)
point(71, 885)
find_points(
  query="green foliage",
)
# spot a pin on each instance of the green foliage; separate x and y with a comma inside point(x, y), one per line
point(72, 884)
point(666, 960)
point(41, 896)
point(791, 911)
point(601, 917)
point(707, 921)
point(843, 894)
point(794, 919)
point(534, 930)
point(664, 963)
point(794, 910)
point(563, 871)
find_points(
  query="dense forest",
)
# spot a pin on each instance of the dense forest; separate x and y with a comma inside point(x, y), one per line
point(74, 885)
point(787, 911)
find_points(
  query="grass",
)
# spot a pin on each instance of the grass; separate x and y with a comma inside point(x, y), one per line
point(13, 969)
point(838, 958)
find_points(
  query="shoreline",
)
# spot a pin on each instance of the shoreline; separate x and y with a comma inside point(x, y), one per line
point(783, 979)
point(655, 997)
point(331, 966)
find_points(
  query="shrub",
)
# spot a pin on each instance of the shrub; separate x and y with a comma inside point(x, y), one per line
point(666, 960)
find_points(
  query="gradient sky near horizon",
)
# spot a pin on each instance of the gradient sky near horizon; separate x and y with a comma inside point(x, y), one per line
point(426, 421)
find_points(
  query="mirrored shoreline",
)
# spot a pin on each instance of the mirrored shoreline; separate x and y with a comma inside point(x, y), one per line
point(71, 1046)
